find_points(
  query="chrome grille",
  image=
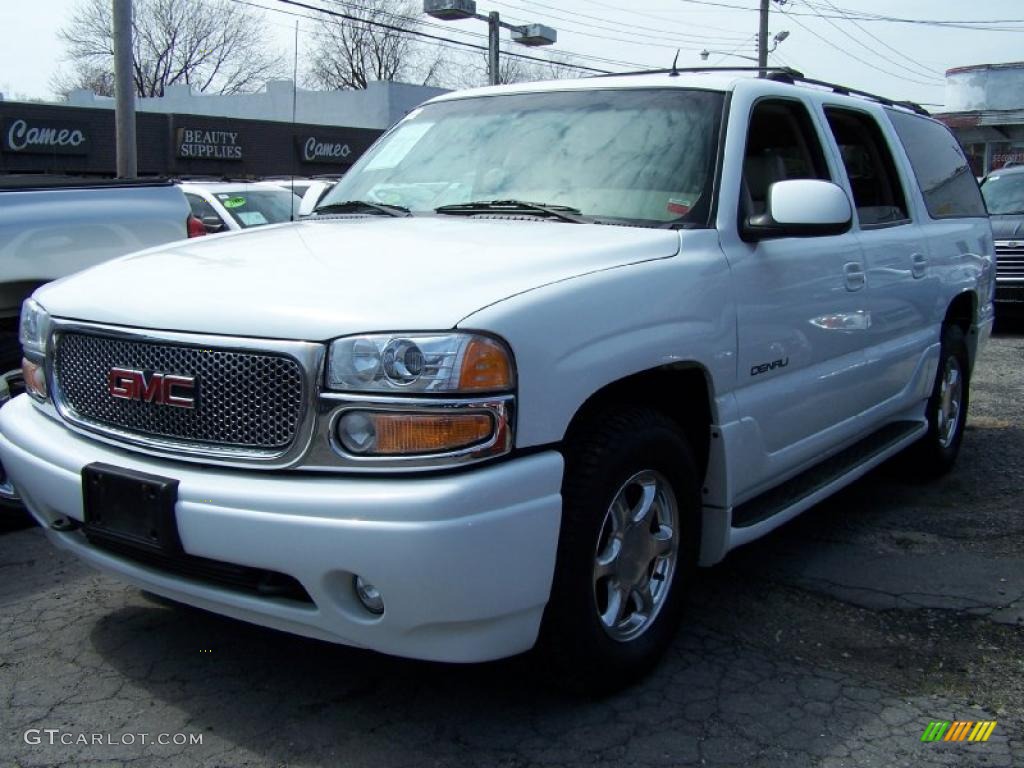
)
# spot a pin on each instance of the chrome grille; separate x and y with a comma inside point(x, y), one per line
point(249, 400)
point(1010, 261)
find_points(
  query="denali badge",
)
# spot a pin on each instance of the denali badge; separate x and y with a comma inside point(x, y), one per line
point(161, 388)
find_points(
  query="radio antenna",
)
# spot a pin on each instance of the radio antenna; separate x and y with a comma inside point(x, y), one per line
point(675, 72)
point(295, 98)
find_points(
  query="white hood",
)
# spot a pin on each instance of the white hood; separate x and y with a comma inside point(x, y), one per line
point(314, 280)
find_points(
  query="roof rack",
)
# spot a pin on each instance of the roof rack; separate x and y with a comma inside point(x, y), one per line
point(843, 90)
point(692, 70)
point(779, 75)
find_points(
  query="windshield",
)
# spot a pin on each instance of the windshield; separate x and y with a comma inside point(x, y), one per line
point(254, 207)
point(640, 156)
point(1004, 193)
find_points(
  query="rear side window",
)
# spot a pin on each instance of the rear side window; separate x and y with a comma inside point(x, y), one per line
point(875, 184)
point(949, 187)
point(781, 144)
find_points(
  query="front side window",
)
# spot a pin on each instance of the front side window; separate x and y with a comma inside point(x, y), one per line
point(633, 156)
point(1004, 193)
point(947, 182)
point(781, 144)
point(869, 166)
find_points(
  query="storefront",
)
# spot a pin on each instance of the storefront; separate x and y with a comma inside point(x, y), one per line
point(39, 138)
point(985, 109)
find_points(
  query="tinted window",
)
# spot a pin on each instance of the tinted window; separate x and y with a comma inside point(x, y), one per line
point(200, 208)
point(869, 166)
point(781, 144)
point(943, 172)
point(643, 156)
point(255, 207)
point(1004, 193)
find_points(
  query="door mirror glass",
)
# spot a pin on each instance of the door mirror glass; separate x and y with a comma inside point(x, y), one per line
point(212, 223)
point(800, 208)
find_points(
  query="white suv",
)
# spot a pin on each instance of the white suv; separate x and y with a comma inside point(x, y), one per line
point(544, 350)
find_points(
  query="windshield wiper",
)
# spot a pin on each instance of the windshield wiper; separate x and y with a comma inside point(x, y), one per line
point(351, 206)
point(561, 212)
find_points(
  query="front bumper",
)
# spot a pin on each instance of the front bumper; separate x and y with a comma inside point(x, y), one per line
point(464, 561)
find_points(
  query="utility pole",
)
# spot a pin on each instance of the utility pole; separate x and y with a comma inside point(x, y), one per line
point(762, 39)
point(493, 39)
point(124, 88)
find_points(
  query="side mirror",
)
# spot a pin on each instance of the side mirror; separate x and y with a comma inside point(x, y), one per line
point(800, 208)
point(212, 223)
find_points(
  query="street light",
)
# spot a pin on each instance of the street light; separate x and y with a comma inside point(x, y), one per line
point(779, 37)
point(526, 34)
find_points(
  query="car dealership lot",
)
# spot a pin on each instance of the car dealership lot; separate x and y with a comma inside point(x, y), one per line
point(833, 642)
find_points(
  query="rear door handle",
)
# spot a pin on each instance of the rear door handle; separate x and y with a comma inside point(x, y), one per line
point(854, 275)
point(919, 266)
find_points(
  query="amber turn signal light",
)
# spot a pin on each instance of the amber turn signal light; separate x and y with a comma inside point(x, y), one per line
point(485, 366)
point(369, 433)
point(35, 378)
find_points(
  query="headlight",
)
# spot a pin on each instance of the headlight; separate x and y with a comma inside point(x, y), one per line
point(34, 330)
point(417, 362)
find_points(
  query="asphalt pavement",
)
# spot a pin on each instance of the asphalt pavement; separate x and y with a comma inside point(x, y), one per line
point(832, 642)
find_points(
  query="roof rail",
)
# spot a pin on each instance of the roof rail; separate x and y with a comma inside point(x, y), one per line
point(691, 70)
point(780, 75)
point(847, 91)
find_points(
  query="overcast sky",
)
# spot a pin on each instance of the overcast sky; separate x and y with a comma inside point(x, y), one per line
point(895, 59)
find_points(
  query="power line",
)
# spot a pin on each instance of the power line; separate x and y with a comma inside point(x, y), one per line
point(879, 40)
point(441, 41)
point(686, 45)
point(978, 25)
point(880, 55)
point(853, 55)
point(659, 33)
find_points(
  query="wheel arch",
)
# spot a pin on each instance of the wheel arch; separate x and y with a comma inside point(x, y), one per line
point(683, 391)
point(963, 312)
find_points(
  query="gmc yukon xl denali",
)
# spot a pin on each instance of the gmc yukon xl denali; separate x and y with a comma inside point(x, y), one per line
point(543, 351)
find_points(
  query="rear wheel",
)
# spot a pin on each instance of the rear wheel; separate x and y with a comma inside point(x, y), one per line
point(627, 550)
point(935, 453)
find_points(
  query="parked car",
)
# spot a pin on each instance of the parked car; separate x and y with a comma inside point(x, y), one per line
point(314, 194)
point(542, 351)
point(226, 206)
point(1003, 191)
point(51, 227)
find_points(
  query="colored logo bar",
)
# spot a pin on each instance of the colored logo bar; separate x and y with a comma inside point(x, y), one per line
point(958, 730)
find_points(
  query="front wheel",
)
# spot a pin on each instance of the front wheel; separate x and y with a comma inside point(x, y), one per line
point(627, 549)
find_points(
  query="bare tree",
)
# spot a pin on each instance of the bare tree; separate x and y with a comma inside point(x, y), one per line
point(374, 44)
point(472, 71)
point(211, 45)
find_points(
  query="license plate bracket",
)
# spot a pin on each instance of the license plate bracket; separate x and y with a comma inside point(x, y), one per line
point(129, 507)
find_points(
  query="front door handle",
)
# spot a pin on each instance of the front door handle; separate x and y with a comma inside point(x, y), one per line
point(854, 275)
point(919, 266)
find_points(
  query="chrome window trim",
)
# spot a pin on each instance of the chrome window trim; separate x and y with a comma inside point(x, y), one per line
point(328, 454)
point(309, 357)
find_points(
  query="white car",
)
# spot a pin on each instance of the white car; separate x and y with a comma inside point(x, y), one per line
point(225, 206)
point(544, 350)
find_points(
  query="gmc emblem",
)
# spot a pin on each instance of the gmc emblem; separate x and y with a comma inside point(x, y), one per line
point(160, 388)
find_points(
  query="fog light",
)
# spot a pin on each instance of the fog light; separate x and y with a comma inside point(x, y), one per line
point(369, 596)
point(357, 432)
point(35, 378)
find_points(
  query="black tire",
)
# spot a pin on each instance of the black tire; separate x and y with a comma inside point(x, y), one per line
point(935, 454)
point(578, 649)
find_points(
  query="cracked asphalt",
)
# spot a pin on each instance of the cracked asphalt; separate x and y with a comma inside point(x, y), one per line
point(833, 642)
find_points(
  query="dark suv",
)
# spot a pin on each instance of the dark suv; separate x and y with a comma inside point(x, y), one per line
point(1004, 195)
